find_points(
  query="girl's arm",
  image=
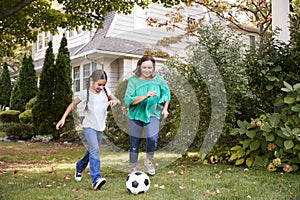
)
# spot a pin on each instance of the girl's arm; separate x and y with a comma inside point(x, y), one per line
point(113, 101)
point(61, 122)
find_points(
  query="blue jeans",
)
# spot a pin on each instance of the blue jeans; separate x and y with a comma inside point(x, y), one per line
point(136, 128)
point(94, 139)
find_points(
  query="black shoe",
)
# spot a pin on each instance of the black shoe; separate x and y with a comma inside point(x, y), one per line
point(99, 183)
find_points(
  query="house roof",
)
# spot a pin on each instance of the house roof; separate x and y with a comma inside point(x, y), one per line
point(111, 44)
point(100, 42)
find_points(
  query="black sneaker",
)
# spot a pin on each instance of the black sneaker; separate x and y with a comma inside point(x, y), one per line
point(99, 183)
point(78, 176)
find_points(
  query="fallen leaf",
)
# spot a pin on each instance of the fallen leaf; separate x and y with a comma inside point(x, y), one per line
point(181, 187)
point(217, 176)
point(53, 170)
point(182, 172)
point(162, 187)
point(74, 189)
point(66, 178)
point(218, 191)
point(207, 193)
point(171, 172)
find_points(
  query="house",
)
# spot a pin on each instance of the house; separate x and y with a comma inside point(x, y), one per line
point(115, 48)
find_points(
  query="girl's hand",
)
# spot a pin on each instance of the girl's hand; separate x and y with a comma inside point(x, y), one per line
point(164, 114)
point(113, 103)
point(60, 124)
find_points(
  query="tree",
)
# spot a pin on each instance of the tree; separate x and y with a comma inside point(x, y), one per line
point(26, 85)
point(42, 110)
point(63, 81)
point(5, 86)
point(255, 13)
point(20, 20)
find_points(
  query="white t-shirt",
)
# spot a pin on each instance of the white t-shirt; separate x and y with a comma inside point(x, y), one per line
point(95, 116)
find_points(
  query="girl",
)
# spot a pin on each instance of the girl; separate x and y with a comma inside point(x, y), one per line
point(147, 96)
point(97, 99)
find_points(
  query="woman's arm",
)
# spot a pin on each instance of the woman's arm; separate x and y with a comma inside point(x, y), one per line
point(164, 111)
point(140, 99)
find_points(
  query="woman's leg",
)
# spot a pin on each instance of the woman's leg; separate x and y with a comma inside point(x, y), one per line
point(151, 131)
point(135, 131)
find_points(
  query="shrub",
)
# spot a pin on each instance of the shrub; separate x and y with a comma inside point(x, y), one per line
point(273, 140)
point(30, 103)
point(19, 131)
point(69, 132)
point(26, 117)
point(9, 116)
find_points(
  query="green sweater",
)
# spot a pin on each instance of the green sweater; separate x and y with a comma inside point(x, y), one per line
point(150, 107)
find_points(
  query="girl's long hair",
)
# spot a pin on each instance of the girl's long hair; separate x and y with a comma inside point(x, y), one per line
point(95, 76)
point(138, 71)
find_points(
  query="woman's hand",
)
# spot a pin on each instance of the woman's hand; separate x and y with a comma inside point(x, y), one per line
point(164, 114)
point(151, 94)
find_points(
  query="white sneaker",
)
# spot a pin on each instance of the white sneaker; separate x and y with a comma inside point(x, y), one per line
point(132, 170)
point(150, 167)
point(78, 176)
point(99, 183)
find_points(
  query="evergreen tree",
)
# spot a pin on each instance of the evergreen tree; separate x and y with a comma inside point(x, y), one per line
point(26, 86)
point(5, 86)
point(63, 82)
point(42, 110)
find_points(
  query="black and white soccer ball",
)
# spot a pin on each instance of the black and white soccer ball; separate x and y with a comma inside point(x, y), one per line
point(138, 182)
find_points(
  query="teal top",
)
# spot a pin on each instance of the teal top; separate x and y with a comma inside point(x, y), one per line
point(150, 107)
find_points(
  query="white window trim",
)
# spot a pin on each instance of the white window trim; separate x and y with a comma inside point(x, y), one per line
point(93, 66)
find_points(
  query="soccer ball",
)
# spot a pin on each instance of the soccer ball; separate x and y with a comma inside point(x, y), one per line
point(138, 182)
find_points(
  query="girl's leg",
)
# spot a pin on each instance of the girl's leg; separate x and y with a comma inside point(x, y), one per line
point(82, 164)
point(135, 131)
point(94, 152)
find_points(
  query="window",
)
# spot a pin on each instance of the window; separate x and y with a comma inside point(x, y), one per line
point(74, 32)
point(86, 74)
point(43, 39)
point(82, 73)
point(76, 78)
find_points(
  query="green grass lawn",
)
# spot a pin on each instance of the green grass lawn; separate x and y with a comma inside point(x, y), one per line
point(46, 171)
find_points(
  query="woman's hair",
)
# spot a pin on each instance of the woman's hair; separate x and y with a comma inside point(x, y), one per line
point(95, 76)
point(137, 70)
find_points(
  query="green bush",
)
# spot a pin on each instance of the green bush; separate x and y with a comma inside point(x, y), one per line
point(9, 116)
point(69, 132)
point(30, 103)
point(273, 140)
point(19, 131)
point(26, 117)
